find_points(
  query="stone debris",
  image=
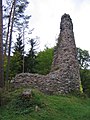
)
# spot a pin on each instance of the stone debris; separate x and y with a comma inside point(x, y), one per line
point(27, 93)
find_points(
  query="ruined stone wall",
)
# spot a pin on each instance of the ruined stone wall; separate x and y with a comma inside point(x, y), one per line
point(66, 58)
point(45, 84)
point(64, 76)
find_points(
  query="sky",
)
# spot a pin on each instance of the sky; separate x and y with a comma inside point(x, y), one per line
point(46, 17)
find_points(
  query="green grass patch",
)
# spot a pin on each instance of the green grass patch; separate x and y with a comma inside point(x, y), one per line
point(54, 107)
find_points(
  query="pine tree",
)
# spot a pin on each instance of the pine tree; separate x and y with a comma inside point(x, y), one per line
point(16, 64)
point(19, 45)
point(30, 59)
point(16, 18)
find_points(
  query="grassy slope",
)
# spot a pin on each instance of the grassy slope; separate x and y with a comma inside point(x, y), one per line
point(51, 107)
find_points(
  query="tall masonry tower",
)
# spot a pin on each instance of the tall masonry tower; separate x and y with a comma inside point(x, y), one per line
point(65, 57)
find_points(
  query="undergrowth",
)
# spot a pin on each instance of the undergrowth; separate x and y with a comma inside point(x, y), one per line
point(50, 107)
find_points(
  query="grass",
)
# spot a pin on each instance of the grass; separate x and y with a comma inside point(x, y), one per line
point(54, 107)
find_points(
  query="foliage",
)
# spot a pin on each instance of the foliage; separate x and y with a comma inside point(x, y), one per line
point(53, 107)
point(19, 45)
point(84, 62)
point(85, 79)
point(21, 20)
point(24, 105)
point(44, 61)
point(15, 64)
point(30, 59)
point(5, 65)
point(20, 16)
point(83, 58)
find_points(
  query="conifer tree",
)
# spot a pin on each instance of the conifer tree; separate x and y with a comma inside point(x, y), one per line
point(16, 64)
point(16, 19)
point(19, 45)
point(30, 60)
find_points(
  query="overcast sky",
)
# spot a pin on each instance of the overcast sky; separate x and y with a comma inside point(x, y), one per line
point(46, 17)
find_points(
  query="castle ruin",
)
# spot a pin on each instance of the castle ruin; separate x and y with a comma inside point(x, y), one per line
point(64, 76)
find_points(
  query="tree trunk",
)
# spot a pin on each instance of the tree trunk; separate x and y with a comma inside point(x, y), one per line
point(10, 40)
point(23, 45)
point(1, 47)
point(8, 30)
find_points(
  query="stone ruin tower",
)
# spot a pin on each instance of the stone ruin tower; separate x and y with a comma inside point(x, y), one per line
point(64, 76)
point(65, 57)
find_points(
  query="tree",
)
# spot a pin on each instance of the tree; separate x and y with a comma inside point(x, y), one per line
point(16, 64)
point(44, 61)
point(10, 24)
point(85, 80)
point(22, 20)
point(19, 45)
point(83, 58)
point(30, 59)
point(10, 38)
point(19, 16)
point(84, 62)
point(16, 17)
point(24, 26)
point(1, 47)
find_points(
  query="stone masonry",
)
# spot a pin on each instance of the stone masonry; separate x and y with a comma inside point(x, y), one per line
point(64, 76)
point(65, 57)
